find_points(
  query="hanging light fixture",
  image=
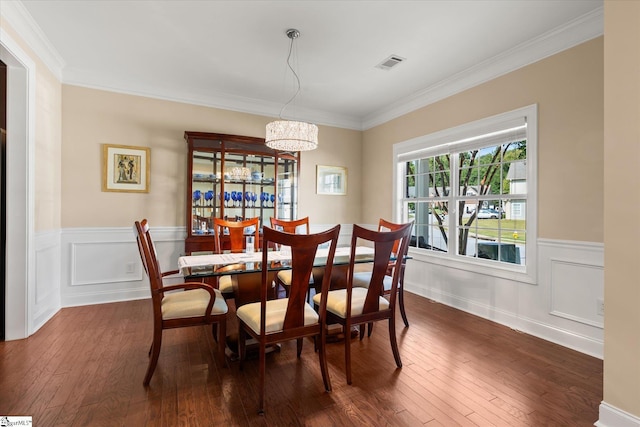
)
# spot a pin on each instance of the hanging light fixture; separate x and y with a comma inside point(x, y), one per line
point(289, 135)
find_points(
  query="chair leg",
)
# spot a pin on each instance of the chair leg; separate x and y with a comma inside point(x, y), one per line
point(394, 342)
point(242, 343)
point(262, 368)
point(222, 331)
point(401, 304)
point(347, 351)
point(155, 353)
point(361, 327)
point(322, 354)
point(370, 329)
point(299, 346)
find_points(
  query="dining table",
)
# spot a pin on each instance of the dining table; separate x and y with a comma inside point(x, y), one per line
point(207, 264)
point(247, 269)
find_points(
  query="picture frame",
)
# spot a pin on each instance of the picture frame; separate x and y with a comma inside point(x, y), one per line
point(331, 180)
point(126, 168)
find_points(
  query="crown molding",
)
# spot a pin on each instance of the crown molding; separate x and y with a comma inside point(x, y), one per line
point(580, 30)
point(231, 103)
point(19, 18)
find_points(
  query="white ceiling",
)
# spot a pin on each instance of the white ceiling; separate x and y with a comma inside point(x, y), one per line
point(232, 54)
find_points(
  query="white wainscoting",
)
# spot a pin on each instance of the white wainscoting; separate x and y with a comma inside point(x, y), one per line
point(45, 299)
point(561, 307)
point(102, 265)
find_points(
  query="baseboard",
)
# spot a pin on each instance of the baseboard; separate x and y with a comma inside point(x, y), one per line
point(610, 416)
point(106, 297)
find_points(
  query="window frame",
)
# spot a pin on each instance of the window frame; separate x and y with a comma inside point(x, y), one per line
point(461, 138)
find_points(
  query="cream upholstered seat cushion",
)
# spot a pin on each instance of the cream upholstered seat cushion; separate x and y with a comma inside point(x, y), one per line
point(274, 319)
point(225, 284)
point(285, 277)
point(362, 279)
point(191, 303)
point(337, 301)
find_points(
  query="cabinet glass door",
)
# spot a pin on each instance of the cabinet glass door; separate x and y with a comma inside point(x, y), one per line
point(205, 186)
point(287, 199)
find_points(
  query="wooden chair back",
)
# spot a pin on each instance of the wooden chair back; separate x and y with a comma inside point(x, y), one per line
point(290, 226)
point(236, 233)
point(149, 258)
point(303, 253)
point(384, 243)
point(384, 225)
point(402, 262)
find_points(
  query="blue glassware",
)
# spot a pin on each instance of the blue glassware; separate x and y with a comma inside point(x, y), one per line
point(227, 197)
point(263, 198)
point(273, 199)
point(208, 196)
point(247, 198)
point(234, 198)
point(254, 199)
point(196, 196)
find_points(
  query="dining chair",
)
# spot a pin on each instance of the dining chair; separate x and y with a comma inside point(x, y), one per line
point(356, 306)
point(283, 278)
point(178, 305)
point(235, 231)
point(362, 278)
point(277, 320)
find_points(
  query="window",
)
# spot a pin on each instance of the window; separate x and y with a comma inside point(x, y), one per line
point(471, 192)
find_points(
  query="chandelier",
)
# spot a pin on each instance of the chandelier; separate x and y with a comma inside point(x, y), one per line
point(289, 135)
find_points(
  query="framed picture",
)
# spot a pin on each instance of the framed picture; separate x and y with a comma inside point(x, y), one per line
point(125, 168)
point(331, 180)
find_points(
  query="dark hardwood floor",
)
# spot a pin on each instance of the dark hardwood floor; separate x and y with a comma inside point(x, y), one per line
point(85, 368)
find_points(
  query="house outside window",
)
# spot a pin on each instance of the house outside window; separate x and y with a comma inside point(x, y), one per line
point(470, 191)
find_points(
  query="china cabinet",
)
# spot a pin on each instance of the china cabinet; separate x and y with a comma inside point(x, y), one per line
point(236, 177)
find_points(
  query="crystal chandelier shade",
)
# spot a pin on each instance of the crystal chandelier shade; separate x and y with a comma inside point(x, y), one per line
point(287, 135)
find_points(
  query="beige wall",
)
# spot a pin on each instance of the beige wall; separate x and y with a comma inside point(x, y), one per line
point(568, 88)
point(47, 151)
point(622, 205)
point(93, 117)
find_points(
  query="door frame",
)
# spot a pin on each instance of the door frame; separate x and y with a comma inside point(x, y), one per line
point(20, 265)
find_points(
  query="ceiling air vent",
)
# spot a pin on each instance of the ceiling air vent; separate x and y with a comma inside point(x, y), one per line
point(390, 62)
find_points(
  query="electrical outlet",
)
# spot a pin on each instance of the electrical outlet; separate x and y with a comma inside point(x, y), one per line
point(131, 267)
point(600, 306)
